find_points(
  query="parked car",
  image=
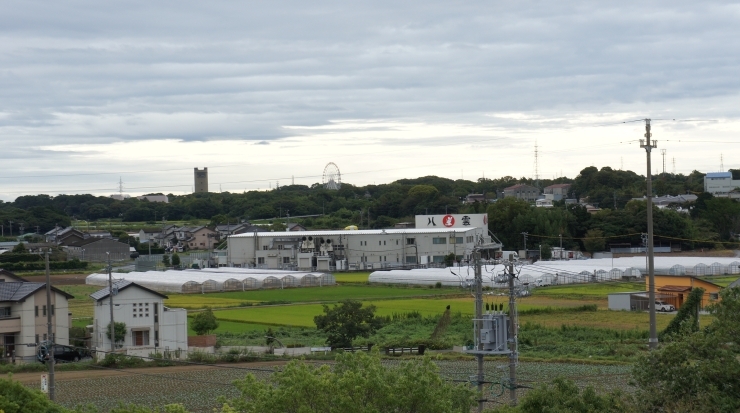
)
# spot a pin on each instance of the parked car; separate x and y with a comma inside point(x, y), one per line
point(664, 307)
point(61, 353)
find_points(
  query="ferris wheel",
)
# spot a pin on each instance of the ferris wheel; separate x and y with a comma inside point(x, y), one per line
point(332, 178)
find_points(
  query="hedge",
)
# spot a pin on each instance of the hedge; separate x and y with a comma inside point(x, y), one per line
point(39, 266)
point(20, 257)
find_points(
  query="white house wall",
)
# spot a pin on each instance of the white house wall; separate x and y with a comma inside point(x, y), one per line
point(124, 304)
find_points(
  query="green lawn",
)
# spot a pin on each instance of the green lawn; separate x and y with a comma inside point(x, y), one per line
point(306, 294)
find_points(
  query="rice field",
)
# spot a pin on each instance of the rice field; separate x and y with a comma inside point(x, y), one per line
point(591, 290)
point(301, 315)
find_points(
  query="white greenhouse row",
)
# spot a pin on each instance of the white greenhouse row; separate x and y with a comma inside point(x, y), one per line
point(561, 272)
point(211, 280)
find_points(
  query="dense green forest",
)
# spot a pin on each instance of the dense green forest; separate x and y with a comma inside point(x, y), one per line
point(378, 206)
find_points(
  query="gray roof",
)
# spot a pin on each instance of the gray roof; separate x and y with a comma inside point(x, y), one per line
point(19, 291)
point(120, 285)
point(734, 284)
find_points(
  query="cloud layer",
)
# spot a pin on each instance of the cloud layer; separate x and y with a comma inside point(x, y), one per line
point(411, 76)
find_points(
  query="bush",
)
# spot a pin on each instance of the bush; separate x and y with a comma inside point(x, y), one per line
point(204, 322)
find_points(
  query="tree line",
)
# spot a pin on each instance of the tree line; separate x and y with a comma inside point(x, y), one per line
point(380, 206)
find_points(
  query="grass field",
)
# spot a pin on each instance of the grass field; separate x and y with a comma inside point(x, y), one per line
point(353, 277)
point(577, 291)
point(722, 280)
point(291, 295)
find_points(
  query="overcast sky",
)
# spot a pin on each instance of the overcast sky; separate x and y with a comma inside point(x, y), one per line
point(261, 92)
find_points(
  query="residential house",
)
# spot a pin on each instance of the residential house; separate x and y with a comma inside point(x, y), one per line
point(150, 326)
point(522, 191)
point(674, 289)
point(196, 238)
point(557, 192)
point(98, 249)
point(8, 277)
point(64, 236)
point(292, 226)
point(23, 317)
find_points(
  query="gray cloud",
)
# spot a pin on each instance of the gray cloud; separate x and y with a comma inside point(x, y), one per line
point(101, 72)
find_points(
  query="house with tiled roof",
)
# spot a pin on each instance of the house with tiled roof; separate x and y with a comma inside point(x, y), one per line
point(23, 317)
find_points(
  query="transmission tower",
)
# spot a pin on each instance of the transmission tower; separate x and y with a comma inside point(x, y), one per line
point(662, 152)
point(721, 162)
point(536, 164)
point(674, 166)
point(120, 186)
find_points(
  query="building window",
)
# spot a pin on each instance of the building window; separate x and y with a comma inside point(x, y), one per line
point(36, 311)
point(44, 336)
point(456, 240)
point(281, 246)
point(44, 311)
point(260, 260)
point(52, 309)
point(4, 312)
point(140, 338)
point(438, 259)
point(410, 259)
point(378, 242)
point(410, 241)
point(264, 247)
point(714, 296)
point(396, 242)
point(37, 338)
point(286, 260)
point(438, 241)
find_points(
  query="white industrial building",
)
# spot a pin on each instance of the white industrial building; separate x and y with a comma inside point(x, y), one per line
point(720, 183)
point(150, 326)
point(336, 250)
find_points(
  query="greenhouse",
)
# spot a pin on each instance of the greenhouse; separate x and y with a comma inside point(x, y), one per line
point(561, 272)
point(211, 280)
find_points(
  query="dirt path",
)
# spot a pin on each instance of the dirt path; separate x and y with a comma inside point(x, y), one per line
point(30, 378)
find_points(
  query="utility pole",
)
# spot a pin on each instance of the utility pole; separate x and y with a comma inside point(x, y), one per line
point(479, 325)
point(525, 242)
point(512, 334)
point(50, 329)
point(561, 247)
point(112, 325)
point(645, 143)
point(11, 227)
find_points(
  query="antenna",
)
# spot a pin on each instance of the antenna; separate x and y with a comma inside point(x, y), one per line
point(662, 152)
point(536, 164)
